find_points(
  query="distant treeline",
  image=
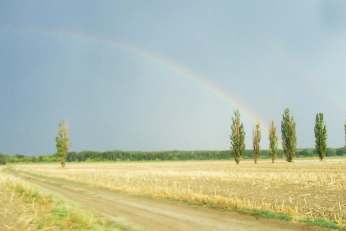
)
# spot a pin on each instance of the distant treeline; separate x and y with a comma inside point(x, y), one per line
point(159, 155)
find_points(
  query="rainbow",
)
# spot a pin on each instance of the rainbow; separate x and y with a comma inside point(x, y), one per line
point(171, 65)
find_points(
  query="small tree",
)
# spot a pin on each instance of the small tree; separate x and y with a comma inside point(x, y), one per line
point(320, 136)
point(237, 137)
point(62, 143)
point(273, 141)
point(289, 139)
point(256, 140)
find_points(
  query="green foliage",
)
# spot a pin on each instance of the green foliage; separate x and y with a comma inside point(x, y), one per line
point(320, 136)
point(256, 142)
point(266, 214)
point(289, 139)
point(2, 159)
point(94, 156)
point(273, 142)
point(321, 222)
point(340, 151)
point(62, 143)
point(306, 152)
point(147, 156)
point(237, 137)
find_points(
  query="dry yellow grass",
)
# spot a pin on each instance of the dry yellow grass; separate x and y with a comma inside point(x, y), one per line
point(306, 188)
point(24, 208)
point(15, 214)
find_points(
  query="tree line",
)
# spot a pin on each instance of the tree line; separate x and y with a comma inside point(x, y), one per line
point(288, 137)
point(119, 155)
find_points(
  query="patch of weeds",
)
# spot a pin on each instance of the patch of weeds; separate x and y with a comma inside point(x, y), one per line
point(60, 213)
point(267, 214)
point(322, 223)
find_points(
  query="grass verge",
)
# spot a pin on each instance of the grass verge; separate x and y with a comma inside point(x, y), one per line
point(24, 208)
point(322, 223)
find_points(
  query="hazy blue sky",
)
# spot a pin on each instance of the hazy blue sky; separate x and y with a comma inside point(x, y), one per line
point(119, 72)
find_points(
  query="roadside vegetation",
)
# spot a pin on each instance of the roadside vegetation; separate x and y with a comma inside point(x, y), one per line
point(25, 208)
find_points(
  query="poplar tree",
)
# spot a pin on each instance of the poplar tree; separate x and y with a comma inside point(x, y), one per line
point(288, 132)
point(320, 136)
point(256, 140)
point(273, 141)
point(237, 137)
point(62, 143)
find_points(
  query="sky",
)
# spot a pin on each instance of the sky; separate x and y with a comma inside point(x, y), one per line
point(164, 75)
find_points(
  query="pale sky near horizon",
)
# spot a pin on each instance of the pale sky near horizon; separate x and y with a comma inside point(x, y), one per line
point(162, 75)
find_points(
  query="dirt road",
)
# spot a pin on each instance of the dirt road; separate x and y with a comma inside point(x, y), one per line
point(144, 214)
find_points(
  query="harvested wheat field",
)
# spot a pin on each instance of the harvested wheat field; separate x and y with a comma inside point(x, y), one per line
point(303, 190)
